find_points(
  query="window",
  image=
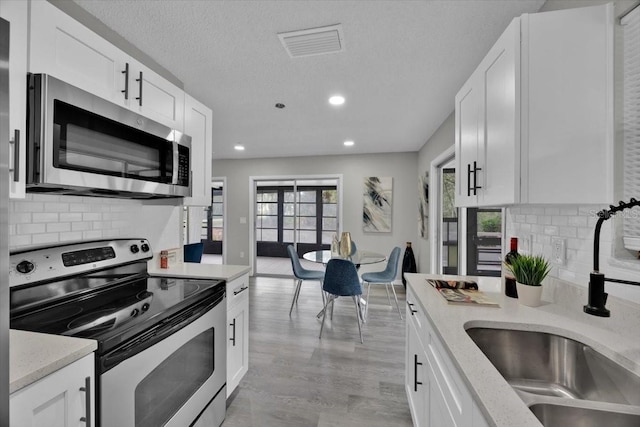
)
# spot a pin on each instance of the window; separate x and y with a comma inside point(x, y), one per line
point(306, 216)
point(484, 242)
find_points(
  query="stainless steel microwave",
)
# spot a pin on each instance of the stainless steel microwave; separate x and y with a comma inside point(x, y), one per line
point(81, 144)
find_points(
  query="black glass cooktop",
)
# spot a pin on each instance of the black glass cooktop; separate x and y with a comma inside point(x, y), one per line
point(114, 313)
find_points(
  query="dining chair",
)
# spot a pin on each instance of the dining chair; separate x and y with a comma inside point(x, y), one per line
point(193, 252)
point(386, 276)
point(301, 273)
point(341, 279)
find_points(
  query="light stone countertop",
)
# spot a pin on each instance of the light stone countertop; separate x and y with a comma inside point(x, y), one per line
point(499, 403)
point(199, 271)
point(33, 355)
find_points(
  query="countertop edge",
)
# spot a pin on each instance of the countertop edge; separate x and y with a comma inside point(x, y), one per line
point(33, 355)
point(201, 271)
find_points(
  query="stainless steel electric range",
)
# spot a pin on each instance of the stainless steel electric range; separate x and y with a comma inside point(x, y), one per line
point(161, 357)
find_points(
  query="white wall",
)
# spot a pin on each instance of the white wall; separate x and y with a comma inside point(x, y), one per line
point(354, 168)
point(441, 140)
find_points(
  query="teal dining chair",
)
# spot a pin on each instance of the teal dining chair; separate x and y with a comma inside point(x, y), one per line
point(301, 274)
point(387, 276)
point(341, 279)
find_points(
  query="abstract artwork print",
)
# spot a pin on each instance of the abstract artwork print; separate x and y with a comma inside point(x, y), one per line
point(377, 202)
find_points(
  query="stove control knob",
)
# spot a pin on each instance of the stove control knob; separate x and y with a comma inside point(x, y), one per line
point(134, 312)
point(145, 307)
point(144, 247)
point(134, 249)
point(25, 267)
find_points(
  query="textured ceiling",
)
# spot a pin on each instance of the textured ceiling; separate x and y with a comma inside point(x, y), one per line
point(402, 66)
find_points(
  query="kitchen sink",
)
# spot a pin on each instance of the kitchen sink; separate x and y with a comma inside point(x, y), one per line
point(550, 365)
point(562, 416)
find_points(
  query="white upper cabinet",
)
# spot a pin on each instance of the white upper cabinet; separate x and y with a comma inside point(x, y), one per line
point(64, 48)
point(16, 12)
point(198, 125)
point(534, 122)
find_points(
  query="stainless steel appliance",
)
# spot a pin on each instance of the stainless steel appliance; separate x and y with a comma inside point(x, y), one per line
point(161, 358)
point(4, 227)
point(81, 144)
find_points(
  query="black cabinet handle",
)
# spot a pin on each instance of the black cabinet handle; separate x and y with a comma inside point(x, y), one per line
point(468, 179)
point(16, 155)
point(126, 81)
point(139, 98)
point(242, 289)
point(411, 308)
point(475, 178)
point(87, 401)
point(416, 383)
point(233, 337)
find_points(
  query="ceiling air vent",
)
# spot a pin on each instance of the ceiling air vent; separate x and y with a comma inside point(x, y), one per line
point(315, 41)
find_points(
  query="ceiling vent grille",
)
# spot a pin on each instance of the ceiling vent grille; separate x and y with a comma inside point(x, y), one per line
point(315, 41)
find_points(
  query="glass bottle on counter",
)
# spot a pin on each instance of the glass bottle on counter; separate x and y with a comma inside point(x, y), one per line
point(408, 263)
point(510, 289)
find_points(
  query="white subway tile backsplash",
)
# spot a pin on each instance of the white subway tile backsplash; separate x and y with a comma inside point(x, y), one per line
point(58, 227)
point(45, 217)
point(576, 225)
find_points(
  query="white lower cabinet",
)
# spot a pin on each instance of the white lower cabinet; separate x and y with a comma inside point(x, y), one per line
point(57, 400)
point(436, 393)
point(237, 331)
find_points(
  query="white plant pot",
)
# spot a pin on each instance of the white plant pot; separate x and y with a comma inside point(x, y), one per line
point(529, 295)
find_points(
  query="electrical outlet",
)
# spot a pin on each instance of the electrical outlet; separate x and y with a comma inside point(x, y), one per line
point(241, 254)
point(558, 252)
point(525, 243)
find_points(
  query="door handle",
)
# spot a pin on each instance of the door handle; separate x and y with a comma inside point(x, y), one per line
point(469, 179)
point(416, 383)
point(126, 81)
point(475, 178)
point(16, 155)
point(139, 98)
point(411, 308)
point(233, 337)
point(87, 401)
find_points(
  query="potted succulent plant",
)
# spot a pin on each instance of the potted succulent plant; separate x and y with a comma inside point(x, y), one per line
point(529, 272)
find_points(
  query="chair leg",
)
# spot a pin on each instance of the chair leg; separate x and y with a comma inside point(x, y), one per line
point(386, 288)
point(296, 293)
point(393, 288)
point(324, 314)
point(366, 308)
point(358, 314)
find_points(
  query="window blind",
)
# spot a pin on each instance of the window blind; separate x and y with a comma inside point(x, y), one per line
point(631, 127)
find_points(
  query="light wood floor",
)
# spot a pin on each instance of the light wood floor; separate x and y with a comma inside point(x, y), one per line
point(298, 380)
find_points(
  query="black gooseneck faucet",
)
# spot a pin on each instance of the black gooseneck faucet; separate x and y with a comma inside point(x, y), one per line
point(597, 295)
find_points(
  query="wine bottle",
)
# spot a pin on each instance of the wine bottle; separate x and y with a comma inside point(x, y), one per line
point(408, 263)
point(510, 289)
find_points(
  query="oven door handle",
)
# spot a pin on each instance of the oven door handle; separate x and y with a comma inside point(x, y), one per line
point(150, 337)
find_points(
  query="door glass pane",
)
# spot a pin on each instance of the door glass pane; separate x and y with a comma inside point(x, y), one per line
point(449, 225)
point(165, 390)
point(484, 248)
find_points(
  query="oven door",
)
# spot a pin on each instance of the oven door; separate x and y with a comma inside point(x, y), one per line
point(171, 382)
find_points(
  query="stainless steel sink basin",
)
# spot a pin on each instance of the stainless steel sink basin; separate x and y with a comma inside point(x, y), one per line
point(550, 365)
point(564, 416)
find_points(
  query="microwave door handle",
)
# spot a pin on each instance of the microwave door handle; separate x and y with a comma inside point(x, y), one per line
point(176, 163)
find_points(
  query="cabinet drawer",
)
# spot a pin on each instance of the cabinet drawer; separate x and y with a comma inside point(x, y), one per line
point(237, 290)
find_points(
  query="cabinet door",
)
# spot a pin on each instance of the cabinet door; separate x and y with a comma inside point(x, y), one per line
point(468, 141)
point(416, 379)
point(198, 125)
point(64, 48)
point(57, 400)
point(237, 345)
point(568, 60)
point(499, 72)
point(17, 14)
point(155, 97)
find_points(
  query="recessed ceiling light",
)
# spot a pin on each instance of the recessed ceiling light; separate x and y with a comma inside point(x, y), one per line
point(348, 143)
point(280, 105)
point(336, 100)
point(239, 147)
